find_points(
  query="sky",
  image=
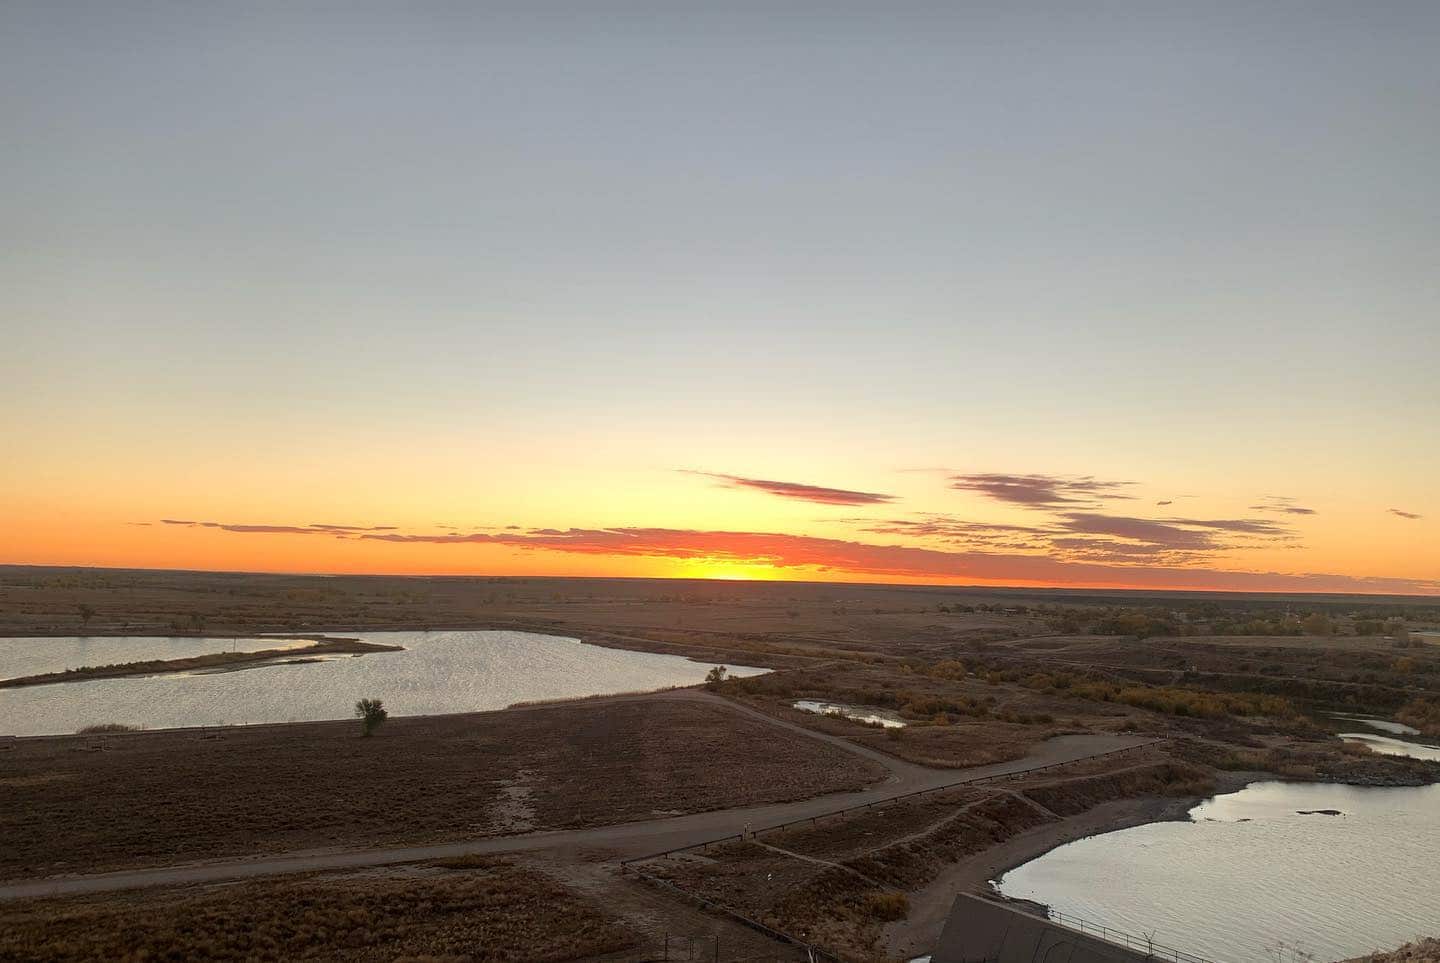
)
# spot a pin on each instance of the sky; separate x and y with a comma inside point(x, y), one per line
point(1114, 294)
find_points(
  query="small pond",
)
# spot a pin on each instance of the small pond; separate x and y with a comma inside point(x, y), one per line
point(867, 714)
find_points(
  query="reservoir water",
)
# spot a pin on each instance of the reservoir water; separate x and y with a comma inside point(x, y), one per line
point(36, 656)
point(1258, 868)
point(438, 672)
point(1393, 747)
point(1384, 725)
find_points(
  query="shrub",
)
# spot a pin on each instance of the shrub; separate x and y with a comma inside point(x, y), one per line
point(887, 907)
point(371, 713)
point(1422, 714)
point(106, 727)
point(951, 669)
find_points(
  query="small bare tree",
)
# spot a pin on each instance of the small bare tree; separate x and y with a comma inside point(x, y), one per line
point(87, 612)
point(370, 712)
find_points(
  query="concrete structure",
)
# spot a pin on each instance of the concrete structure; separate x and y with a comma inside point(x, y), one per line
point(984, 931)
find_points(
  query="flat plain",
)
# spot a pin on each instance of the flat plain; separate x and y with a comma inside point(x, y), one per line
point(1215, 689)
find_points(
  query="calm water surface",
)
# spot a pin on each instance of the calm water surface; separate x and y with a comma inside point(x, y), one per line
point(859, 713)
point(1393, 747)
point(1249, 872)
point(36, 656)
point(438, 672)
point(1384, 725)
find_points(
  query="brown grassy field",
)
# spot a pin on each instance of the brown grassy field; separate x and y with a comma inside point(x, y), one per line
point(477, 911)
point(83, 804)
point(979, 676)
point(1420, 951)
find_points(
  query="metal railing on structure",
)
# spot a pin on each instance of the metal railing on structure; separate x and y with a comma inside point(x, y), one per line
point(972, 781)
point(1139, 944)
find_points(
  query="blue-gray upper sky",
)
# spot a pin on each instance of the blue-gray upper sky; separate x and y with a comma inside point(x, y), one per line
point(1129, 238)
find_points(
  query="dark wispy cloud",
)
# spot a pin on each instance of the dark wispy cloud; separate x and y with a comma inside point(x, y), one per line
point(1042, 491)
point(1399, 513)
point(818, 494)
point(1281, 505)
point(1143, 530)
point(1093, 535)
point(1176, 541)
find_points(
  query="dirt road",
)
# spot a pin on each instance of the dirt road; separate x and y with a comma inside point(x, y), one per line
point(622, 840)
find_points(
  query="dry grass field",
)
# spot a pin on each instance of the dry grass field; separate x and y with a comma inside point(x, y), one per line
point(90, 803)
point(1233, 684)
point(482, 910)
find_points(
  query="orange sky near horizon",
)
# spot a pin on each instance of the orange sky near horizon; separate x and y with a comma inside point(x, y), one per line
point(693, 526)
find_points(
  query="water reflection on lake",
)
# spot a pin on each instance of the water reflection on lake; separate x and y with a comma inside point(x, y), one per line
point(858, 713)
point(37, 656)
point(1250, 871)
point(1393, 747)
point(438, 672)
point(1384, 725)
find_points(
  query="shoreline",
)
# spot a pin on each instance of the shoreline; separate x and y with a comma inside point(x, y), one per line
point(534, 706)
point(217, 661)
point(930, 906)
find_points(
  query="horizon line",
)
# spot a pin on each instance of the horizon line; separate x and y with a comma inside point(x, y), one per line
point(969, 586)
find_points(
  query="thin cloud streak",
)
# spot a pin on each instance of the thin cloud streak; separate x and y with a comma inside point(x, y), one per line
point(1282, 505)
point(338, 531)
point(1410, 515)
point(1042, 491)
point(817, 494)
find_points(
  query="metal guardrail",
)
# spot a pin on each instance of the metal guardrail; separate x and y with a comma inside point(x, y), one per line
point(1146, 945)
point(972, 781)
